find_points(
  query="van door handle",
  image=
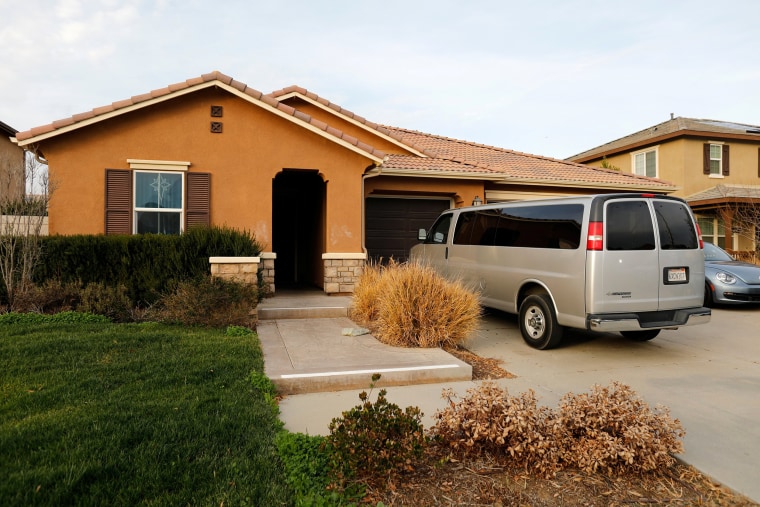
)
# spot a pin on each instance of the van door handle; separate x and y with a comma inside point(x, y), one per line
point(446, 253)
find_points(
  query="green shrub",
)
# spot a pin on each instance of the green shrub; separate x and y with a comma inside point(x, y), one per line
point(264, 385)
point(373, 439)
point(238, 331)
point(410, 305)
point(148, 265)
point(207, 301)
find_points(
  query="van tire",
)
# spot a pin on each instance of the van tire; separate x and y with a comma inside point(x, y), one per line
point(641, 336)
point(538, 322)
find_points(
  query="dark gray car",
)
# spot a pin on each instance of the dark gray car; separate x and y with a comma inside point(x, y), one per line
point(728, 281)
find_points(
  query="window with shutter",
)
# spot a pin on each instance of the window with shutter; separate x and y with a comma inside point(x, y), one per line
point(118, 213)
point(716, 159)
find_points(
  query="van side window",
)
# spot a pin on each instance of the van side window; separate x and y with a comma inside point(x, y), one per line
point(556, 226)
point(477, 227)
point(628, 226)
point(675, 226)
point(440, 231)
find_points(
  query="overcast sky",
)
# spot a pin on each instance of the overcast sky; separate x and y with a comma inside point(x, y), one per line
point(552, 78)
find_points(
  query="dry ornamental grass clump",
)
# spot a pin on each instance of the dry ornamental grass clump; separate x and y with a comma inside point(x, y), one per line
point(410, 305)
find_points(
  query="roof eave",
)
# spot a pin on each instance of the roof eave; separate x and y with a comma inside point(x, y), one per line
point(178, 93)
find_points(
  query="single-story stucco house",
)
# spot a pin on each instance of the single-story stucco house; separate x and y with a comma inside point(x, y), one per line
point(323, 188)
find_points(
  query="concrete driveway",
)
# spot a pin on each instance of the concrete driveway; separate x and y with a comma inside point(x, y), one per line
point(708, 376)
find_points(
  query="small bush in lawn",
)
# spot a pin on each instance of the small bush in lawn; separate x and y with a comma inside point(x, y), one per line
point(611, 429)
point(373, 439)
point(208, 301)
point(488, 419)
point(410, 305)
point(113, 302)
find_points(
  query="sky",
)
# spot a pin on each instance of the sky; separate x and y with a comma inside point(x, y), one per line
point(547, 77)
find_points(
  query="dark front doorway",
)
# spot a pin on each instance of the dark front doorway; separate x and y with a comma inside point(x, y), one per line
point(298, 228)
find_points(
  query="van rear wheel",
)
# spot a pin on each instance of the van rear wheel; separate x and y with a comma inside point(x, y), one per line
point(538, 322)
point(641, 336)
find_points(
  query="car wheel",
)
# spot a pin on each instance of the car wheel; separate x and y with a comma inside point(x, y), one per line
point(708, 302)
point(641, 336)
point(538, 322)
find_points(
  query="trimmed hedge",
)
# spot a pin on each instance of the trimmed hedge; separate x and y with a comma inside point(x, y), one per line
point(146, 264)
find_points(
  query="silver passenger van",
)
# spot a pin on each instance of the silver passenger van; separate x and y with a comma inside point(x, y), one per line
point(631, 263)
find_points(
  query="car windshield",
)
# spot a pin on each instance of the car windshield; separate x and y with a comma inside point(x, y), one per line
point(714, 253)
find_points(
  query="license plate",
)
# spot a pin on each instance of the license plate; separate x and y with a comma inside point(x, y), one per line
point(676, 275)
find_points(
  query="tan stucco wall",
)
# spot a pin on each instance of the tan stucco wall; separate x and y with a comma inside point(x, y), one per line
point(680, 162)
point(255, 145)
point(461, 191)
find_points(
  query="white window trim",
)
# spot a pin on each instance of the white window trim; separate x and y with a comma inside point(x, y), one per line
point(157, 165)
point(719, 174)
point(136, 209)
point(656, 151)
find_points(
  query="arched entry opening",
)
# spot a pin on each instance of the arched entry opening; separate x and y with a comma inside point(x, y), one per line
point(298, 198)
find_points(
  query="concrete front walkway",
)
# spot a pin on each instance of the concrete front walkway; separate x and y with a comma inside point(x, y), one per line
point(310, 345)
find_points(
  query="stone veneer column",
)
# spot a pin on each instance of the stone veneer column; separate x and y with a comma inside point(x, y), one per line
point(342, 270)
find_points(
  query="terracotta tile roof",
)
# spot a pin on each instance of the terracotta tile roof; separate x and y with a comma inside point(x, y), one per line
point(432, 154)
point(90, 116)
point(503, 164)
point(672, 128)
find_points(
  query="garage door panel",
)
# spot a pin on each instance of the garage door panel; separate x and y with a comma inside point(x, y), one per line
point(392, 224)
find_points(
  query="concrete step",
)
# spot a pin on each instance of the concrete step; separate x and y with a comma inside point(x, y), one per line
point(303, 305)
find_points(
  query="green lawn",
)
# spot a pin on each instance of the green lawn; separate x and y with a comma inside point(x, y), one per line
point(134, 414)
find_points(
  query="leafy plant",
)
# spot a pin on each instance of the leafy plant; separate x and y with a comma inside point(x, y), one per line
point(373, 439)
point(68, 317)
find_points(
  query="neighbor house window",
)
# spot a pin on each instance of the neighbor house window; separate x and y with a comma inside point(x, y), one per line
point(645, 163)
point(713, 231)
point(716, 159)
point(158, 202)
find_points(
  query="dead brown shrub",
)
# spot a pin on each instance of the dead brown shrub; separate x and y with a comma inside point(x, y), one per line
point(608, 430)
point(52, 296)
point(611, 429)
point(410, 305)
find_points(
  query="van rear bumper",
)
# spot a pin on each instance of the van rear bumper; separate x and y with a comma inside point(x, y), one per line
point(647, 320)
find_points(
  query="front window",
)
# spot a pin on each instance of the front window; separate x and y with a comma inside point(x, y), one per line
point(716, 159)
point(645, 163)
point(158, 202)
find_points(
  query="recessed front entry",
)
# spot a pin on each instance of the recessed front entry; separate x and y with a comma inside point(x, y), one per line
point(298, 228)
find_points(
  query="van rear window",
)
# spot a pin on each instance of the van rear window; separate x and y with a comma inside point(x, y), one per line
point(628, 226)
point(530, 226)
point(675, 226)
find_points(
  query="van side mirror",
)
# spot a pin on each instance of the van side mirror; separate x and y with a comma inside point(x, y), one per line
point(422, 235)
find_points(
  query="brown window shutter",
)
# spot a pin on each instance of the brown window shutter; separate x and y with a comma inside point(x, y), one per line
point(118, 201)
point(198, 199)
point(758, 162)
point(706, 159)
point(725, 160)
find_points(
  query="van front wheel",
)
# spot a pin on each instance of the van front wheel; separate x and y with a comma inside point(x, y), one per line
point(538, 322)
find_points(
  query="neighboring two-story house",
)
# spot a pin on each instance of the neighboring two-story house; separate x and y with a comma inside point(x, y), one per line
point(715, 164)
point(11, 166)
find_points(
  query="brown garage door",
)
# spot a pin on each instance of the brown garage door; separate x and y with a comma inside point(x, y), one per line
point(392, 224)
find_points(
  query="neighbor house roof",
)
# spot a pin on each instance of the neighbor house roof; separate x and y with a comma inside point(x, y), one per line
point(430, 155)
point(7, 129)
point(673, 128)
point(720, 194)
